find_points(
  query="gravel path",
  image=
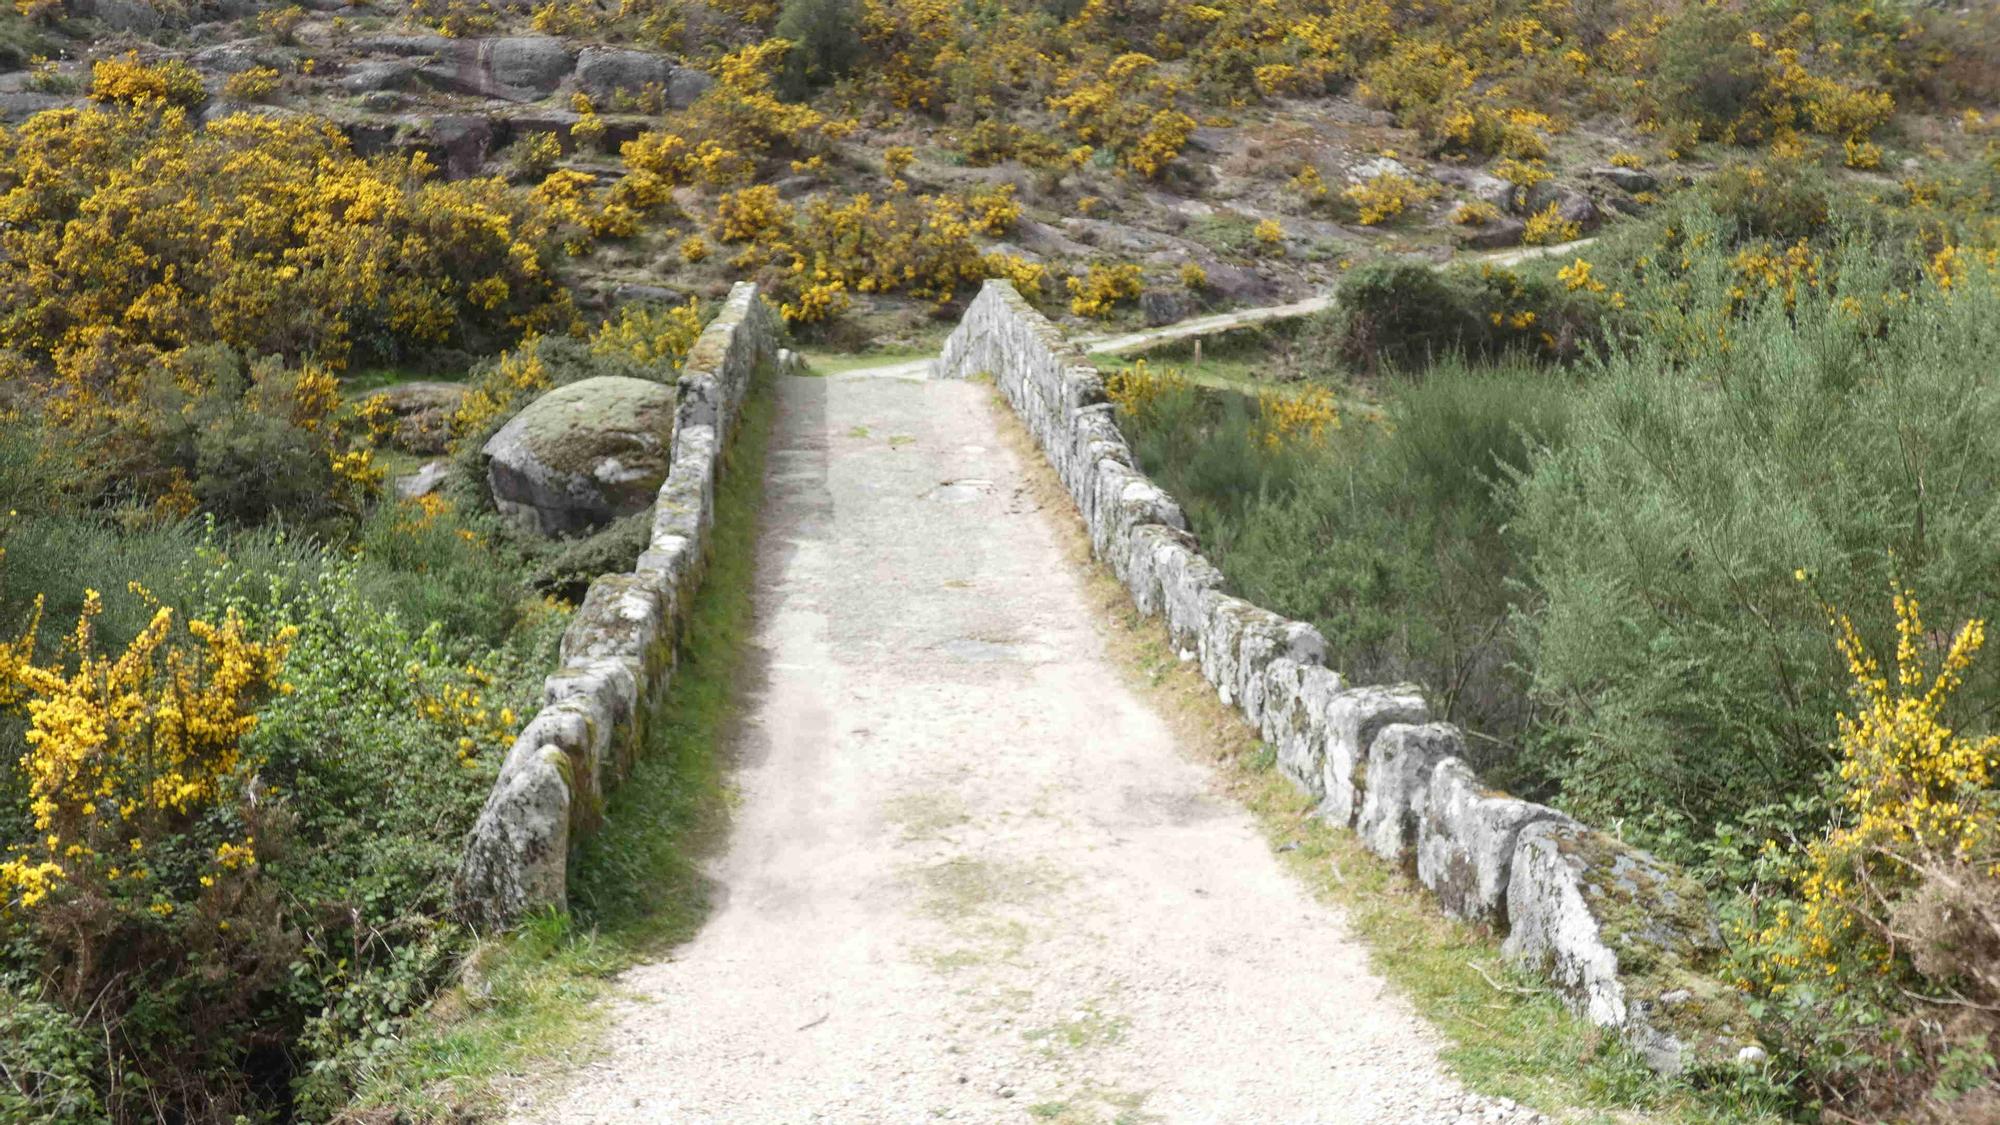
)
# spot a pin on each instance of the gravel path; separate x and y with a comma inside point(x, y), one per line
point(971, 877)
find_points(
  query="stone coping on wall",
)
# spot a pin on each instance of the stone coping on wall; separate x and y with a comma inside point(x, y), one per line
point(1629, 942)
point(617, 655)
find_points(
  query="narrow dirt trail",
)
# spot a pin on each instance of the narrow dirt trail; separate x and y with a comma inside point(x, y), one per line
point(971, 876)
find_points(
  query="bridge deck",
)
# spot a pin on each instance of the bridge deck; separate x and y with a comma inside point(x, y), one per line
point(972, 876)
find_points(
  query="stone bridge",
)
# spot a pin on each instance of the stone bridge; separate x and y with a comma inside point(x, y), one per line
point(977, 868)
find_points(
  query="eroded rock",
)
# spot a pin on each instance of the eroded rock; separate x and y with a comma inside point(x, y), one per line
point(1353, 719)
point(1397, 784)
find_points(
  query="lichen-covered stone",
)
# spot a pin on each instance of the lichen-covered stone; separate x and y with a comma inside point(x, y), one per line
point(623, 616)
point(517, 859)
point(1397, 784)
point(582, 455)
point(1628, 941)
point(1353, 719)
point(1299, 730)
point(1465, 843)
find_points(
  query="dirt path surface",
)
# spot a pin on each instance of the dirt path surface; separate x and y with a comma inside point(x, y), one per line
point(972, 877)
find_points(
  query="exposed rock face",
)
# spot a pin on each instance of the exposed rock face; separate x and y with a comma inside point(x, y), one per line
point(1626, 940)
point(510, 68)
point(386, 74)
point(1627, 179)
point(1481, 186)
point(125, 15)
point(422, 411)
point(582, 455)
point(1162, 306)
point(686, 85)
point(1496, 235)
point(1465, 843)
point(426, 480)
point(602, 72)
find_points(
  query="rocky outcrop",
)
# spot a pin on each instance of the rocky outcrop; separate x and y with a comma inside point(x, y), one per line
point(605, 72)
point(582, 455)
point(1626, 940)
point(617, 655)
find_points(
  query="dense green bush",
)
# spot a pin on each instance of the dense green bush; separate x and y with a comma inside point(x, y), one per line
point(1401, 315)
point(826, 42)
point(368, 772)
point(1388, 536)
point(1688, 670)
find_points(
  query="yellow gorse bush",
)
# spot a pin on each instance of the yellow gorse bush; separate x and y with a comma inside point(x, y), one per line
point(1914, 802)
point(123, 750)
point(126, 80)
point(650, 334)
point(1383, 197)
point(130, 234)
point(1103, 288)
point(1301, 417)
point(1136, 388)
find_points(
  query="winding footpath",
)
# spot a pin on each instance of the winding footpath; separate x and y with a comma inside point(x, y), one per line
point(972, 877)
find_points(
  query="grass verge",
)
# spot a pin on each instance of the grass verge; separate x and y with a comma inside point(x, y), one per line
point(524, 1003)
point(1505, 1035)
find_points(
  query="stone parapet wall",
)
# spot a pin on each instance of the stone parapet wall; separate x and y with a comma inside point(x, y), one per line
point(1626, 940)
point(617, 656)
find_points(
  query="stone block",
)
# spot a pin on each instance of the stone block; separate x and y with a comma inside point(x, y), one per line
point(1628, 942)
point(1465, 843)
point(1401, 760)
point(1353, 719)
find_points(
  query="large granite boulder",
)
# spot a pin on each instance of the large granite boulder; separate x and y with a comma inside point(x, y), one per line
point(603, 71)
point(1628, 942)
point(518, 68)
point(582, 455)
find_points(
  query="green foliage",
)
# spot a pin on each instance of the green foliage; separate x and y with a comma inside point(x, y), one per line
point(1387, 537)
point(637, 884)
point(565, 568)
point(1690, 677)
point(1405, 315)
point(369, 771)
point(826, 42)
point(1709, 72)
point(49, 1066)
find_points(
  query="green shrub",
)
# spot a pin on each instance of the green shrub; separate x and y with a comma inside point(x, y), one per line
point(1388, 537)
point(1689, 675)
point(566, 567)
point(826, 42)
point(1405, 316)
point(1710, 74)
point(50, 1067)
